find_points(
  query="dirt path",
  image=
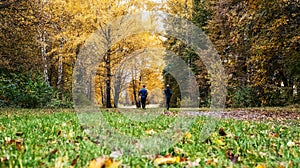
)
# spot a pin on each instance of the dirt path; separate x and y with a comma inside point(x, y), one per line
point(255, 114)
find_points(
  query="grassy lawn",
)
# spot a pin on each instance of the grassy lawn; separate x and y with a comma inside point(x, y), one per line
point(56, 138)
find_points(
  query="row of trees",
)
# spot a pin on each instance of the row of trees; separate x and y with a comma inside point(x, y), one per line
point(258, 42)
point(259, 45)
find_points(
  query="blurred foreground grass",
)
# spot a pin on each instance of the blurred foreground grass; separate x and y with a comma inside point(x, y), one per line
point(55, 138)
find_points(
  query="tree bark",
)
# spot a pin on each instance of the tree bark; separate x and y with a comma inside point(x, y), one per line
point(43, 54)
point(117, 88)
point(108, 79)
point(108, 71)
point(60, 82)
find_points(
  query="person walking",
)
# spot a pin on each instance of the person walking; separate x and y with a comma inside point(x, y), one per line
point(143, 93)
point(168, 94)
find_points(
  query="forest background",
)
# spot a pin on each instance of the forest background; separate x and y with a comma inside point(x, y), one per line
point(258, 42)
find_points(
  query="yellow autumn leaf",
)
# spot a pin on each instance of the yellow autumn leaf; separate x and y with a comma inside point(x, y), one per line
point(104, 162)
point(98, 162)
point(188, 135)
point(209, 161)
point(219, 142)
point(170, 160)
point(260, 166)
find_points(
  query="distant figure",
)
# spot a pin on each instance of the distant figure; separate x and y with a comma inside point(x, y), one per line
point(168, 94)
point(143, 93)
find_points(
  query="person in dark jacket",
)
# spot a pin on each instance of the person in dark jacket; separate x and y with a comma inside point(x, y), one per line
point(168, 94)
point(143, 93)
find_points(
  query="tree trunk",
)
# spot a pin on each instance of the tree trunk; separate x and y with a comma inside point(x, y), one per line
point(108, 79)
point(134, 86)
point(117, 88)
point(43, 54)
point(60, 71)
point(108, 71)
point(134, 92)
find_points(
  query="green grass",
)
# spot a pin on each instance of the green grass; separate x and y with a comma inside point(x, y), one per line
point(55, 138)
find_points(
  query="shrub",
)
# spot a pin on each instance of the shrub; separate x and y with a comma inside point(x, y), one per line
point(64, 102)
point(24, 90)
point(242, 97)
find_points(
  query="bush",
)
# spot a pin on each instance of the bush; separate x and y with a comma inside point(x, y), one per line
point(242, 97)
point(24, 90)
point(64, 102)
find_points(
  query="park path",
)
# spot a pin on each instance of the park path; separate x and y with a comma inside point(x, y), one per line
point(254, 114)
point(250, 114)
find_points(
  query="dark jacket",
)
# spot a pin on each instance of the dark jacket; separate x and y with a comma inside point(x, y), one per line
point(143, 93)
point(168, 92)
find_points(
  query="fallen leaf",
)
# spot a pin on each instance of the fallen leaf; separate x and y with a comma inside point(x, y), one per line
point(19, 133)
point(59, 133)
point(166, 160)
point(98, 162)
point(183, 159)
point(3, 159)
point(260, 166)
point(53, 152)
point(273, 135)
point(188, 135)
point(219, 142)
point(151, 132)
point(74, 161)
point(8, 140)
point(231, 156)
point(167, 113)
point(19, 144)
point(104, 162)
point(209, 161)
point(222, 132)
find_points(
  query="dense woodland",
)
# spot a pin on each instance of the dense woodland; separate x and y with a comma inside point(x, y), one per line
point(258, 42)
